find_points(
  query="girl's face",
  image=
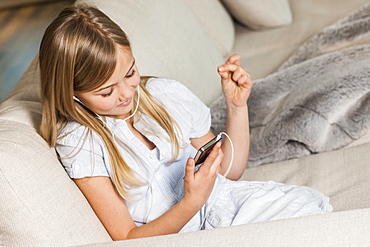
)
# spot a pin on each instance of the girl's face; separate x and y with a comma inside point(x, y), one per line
point(115, 97)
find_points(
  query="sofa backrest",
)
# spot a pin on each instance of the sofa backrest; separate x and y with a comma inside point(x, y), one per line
point(40, 204)
point(216, 22)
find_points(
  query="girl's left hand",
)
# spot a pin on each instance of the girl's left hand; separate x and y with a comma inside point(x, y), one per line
point(235, 80)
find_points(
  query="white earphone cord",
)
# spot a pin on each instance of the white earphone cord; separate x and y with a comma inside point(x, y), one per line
point(137, 104)
point(232, 154)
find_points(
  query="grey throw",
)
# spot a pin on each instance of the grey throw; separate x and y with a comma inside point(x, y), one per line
point(317, 101)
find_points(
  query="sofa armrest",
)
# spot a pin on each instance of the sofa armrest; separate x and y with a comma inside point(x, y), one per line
point(347, 228)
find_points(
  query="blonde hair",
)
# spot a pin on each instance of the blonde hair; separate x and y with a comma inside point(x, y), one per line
point(78, 52)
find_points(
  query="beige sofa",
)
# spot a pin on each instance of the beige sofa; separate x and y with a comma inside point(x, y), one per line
point(184, 40)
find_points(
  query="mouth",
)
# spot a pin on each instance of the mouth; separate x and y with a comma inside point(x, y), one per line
point(125, 103)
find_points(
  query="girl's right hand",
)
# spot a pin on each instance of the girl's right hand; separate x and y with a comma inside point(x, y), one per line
point(112, 211)
point(198, 185)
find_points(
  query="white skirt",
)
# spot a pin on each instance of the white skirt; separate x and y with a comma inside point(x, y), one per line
point(242, 202)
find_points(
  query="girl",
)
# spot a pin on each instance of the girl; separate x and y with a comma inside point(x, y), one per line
point(126, 140)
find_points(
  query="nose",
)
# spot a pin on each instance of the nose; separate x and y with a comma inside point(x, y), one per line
point(124, 92)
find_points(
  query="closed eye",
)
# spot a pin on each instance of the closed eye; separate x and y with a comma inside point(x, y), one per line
point(107, 94)
point(131, 74)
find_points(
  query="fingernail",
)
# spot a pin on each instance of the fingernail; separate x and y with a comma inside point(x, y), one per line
point(221, 69)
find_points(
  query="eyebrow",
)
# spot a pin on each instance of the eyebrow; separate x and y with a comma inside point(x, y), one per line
point(101, 89)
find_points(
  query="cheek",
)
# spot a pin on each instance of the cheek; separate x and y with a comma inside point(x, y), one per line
point(104, 105)
point(136, 79)
point(133, 82)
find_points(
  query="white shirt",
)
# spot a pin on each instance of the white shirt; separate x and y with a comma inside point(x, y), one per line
point(230, 202)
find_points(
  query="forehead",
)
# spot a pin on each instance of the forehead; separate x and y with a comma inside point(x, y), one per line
point(124, 63)
point(124, 59)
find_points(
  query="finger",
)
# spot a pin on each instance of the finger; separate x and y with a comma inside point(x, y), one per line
point(234, 59)
point(189, 172)
point(232, 68)
point(217, 162)
point(233, 72)
point(239, 73)
point(245, 81)
point(241, 81)
point(223, 72)
point(228, 67)
point(213, 160)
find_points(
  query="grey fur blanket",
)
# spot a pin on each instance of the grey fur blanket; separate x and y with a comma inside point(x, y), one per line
point(318, 100)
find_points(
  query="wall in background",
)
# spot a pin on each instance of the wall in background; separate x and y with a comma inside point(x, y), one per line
point(21, 30)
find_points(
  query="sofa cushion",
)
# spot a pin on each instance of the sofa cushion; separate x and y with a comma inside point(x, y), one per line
point(342, 175)
point(170, 44)
point(257, 14)
point(216, 22)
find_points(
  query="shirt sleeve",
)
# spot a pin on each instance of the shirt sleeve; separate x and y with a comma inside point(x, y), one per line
point(188, 110)
point(82, 154)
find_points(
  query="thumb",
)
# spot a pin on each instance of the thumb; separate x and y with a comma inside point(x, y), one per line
point(223, 72)
point(190, 165)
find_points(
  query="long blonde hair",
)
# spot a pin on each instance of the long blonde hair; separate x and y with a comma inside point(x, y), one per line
point(78, 52)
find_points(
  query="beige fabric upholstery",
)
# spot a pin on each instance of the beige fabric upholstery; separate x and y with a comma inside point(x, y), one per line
point(216, 22)
point(193, 56)
point(350, 228)
point(257, 14)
